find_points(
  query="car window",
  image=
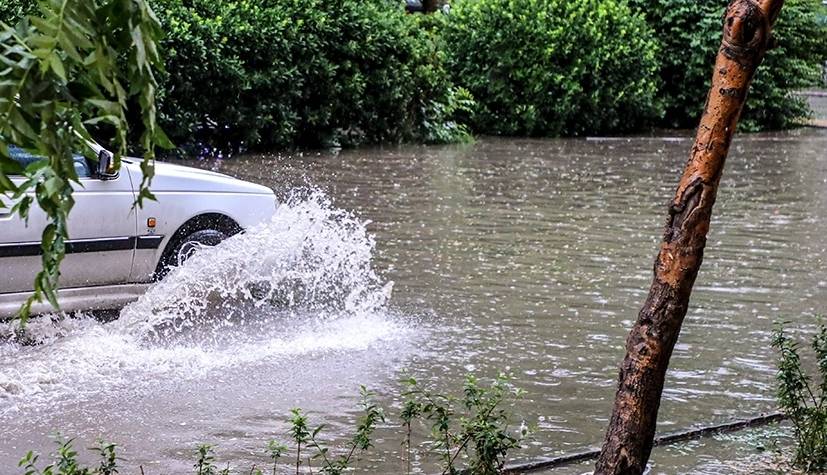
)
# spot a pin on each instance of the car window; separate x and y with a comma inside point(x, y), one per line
point(25, 158)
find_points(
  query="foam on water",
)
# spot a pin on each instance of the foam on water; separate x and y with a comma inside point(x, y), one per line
point(298, 285)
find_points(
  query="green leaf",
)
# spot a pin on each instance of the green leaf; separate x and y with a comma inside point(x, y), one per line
point(138, 43)
point(57, 66)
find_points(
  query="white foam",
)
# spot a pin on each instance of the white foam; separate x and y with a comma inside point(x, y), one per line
point(300, 284)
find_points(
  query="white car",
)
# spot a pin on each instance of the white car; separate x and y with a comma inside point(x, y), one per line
point(115, 250)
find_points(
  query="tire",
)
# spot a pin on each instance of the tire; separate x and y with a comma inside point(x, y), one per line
point(191, 244)
point(188, 246)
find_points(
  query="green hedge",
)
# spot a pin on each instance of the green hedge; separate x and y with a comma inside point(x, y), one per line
point(279, 73)
point(283, 73)
point(553, 67)
point(690, 33)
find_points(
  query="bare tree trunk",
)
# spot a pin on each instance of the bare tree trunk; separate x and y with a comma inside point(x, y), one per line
point(628, 442)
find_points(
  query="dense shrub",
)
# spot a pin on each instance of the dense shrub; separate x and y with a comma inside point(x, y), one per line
point(281, 73)
point(278, 73)
point(690, 33)
point(552, 67)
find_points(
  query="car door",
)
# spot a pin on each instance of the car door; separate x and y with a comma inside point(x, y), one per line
point(101, 241)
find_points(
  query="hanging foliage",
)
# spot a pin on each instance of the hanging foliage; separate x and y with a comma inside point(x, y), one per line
point(73, 66)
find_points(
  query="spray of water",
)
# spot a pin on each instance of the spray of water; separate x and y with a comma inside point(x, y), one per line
point(299, 284)
point(311, 258)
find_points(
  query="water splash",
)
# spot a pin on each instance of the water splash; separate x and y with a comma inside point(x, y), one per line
point(300, 284)
point(310, 257)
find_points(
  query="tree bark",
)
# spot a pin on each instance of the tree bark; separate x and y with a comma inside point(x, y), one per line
point(631, 431)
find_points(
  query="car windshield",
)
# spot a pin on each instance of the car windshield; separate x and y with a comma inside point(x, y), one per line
point(25, 159)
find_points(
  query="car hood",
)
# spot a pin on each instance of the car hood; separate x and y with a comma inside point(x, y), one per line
point(170, 177)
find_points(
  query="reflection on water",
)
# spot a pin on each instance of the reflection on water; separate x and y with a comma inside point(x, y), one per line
point(530, 256)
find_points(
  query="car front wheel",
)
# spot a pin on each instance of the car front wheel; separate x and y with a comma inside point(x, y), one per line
point(195, 241)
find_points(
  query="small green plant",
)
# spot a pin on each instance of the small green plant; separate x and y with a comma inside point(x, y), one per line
point(438, 409)
point(804, 403)
point(275, 450)
point(67, 458)
point(300, 434)
point(205, 465)
point(361, 441)
point(108, 458)
point(66, 463)
point(481, 434)
point(486, 427)
point(411, 409)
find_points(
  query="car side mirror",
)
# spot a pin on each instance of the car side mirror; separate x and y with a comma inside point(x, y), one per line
point(106, 166)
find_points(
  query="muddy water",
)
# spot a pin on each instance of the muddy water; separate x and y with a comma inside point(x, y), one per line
point(525, 256)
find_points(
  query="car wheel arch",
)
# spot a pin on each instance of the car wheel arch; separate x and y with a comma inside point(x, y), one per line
point(202, 222)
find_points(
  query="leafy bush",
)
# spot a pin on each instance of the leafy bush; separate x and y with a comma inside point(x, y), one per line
point(552, 67)
point(690, 34)
point(804, 404)
point(279, 73)
point(284, 73)
point(481, 433)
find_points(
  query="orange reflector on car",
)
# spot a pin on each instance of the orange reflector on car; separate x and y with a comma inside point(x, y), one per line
point(150, 222)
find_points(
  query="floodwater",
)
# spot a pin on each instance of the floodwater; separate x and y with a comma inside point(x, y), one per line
point(523, 256)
